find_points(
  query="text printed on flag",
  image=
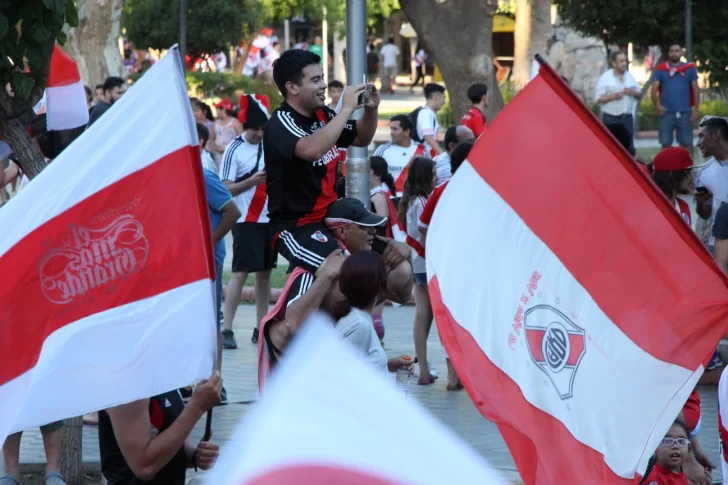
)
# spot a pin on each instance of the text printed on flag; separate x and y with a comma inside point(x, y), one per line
point(531, 287)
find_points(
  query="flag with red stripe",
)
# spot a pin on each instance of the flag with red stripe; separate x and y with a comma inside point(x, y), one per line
point(106, 262)
point(580, 309)
point(349, 425)
point(64, 100)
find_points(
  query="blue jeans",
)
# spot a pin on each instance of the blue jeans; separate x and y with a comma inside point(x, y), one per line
point(676, 121)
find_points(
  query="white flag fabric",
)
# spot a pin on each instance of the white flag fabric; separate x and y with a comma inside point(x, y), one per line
point(329, 418)
point(64, 100)
point(106, 261)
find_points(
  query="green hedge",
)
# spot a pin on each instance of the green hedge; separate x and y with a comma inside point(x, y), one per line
point(211, 86)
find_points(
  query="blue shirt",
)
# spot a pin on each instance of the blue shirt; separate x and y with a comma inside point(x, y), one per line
point(218, 196)
point(675, 90)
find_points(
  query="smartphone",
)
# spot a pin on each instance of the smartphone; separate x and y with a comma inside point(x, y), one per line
point(701, 190)
point(366, 95)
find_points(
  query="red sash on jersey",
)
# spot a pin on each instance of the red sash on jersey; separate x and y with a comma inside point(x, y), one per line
point(399, 183)
point(394, 228)
point(665, 66)
point(266, 360)
point(685, 211)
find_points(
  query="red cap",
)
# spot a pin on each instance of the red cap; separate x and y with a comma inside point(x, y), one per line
point(225, 103)
point(673, 158)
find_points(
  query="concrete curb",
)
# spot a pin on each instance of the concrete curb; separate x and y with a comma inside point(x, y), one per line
point(248, 295)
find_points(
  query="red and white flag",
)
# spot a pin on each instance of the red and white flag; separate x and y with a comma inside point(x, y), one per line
point(106, 264)
point(580, 309)
point(64, 100)
point(329, 418)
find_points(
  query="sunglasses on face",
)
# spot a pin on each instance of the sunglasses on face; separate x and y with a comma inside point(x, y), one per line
point(670, 441)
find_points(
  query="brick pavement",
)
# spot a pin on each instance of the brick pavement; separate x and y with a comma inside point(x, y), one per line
point(455, 409)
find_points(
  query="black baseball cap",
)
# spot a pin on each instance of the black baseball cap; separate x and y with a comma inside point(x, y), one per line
point(351, 211)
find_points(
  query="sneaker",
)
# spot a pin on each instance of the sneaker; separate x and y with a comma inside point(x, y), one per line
point(54, 479)
point(715, 362)
point(223, 397)
point(186, 393)
point(228, 340)
point(254, 337)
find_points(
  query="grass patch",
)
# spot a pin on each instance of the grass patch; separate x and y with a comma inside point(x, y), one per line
point(277, 280)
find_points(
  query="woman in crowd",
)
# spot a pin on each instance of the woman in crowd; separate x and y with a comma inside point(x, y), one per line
point(362, 281)
point(227, 127)
point(381, 185)
point(203, 115)
point(417, 188)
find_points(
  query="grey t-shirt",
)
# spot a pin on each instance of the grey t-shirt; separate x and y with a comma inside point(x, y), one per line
point(357, 328)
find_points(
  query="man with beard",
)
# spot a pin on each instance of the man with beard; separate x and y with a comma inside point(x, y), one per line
point(114, 88)
point(676, 97)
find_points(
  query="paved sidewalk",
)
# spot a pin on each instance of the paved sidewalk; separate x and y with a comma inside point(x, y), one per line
point(455, 409)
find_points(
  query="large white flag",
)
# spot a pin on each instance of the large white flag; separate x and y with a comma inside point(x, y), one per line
point(329, 418)
point(106, 264)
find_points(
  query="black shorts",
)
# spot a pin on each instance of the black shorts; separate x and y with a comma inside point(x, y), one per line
point(253, 248)
point(306, 246)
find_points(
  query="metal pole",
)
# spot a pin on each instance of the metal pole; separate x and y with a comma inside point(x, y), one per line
point(325, 42)
point(286, 35)
point(689, 29)
point(357, 161)
point(183, 32)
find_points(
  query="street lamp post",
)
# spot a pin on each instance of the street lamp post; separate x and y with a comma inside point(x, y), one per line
point(183, 32)
point(357, 162)
point(689, 30)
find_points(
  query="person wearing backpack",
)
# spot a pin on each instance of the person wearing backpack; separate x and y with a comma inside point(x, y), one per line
point(424, 119)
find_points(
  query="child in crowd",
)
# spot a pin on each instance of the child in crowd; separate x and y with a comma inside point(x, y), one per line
point(671, 454)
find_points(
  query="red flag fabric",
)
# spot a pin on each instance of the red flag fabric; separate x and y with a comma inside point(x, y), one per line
point(580, 309)
point(101, 281)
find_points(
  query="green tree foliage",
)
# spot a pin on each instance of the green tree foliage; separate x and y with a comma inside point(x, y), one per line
point(656, 22)
point(313, 10)
point(212, 25)
point(29, 30)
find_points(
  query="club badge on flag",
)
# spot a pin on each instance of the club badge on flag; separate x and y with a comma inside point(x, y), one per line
point(351, 425)
point(106, 264)
point(580, 309)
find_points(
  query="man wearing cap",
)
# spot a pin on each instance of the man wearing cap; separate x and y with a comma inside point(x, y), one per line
point(353, 226)
point(242, 169)
point(673, 175)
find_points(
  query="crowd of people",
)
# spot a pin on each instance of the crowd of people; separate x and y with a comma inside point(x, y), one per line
point(273, 181)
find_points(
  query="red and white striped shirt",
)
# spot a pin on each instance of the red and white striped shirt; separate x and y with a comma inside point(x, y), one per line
point(240, 160)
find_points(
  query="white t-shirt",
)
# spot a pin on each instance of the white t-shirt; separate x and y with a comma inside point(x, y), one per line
point(357, 328)
point(397, 157)
point(444, 171)
point(389, 53)
point(414, 210)
point(608, 84)
point(240, 158)
point(714, 177)
point(427, 123)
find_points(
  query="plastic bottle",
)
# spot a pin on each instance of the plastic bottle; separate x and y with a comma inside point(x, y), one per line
point(403, 376)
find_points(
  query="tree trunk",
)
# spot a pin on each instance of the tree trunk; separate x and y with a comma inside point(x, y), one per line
point(71, 463)
point(533, 29)
point(30, 158)
point(94, 44)
point(459, 33)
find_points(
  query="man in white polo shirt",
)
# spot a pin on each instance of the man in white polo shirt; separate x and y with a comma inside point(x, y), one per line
point(712, 179)
point(618, 92)
point(428, 127)
point(399, 151)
